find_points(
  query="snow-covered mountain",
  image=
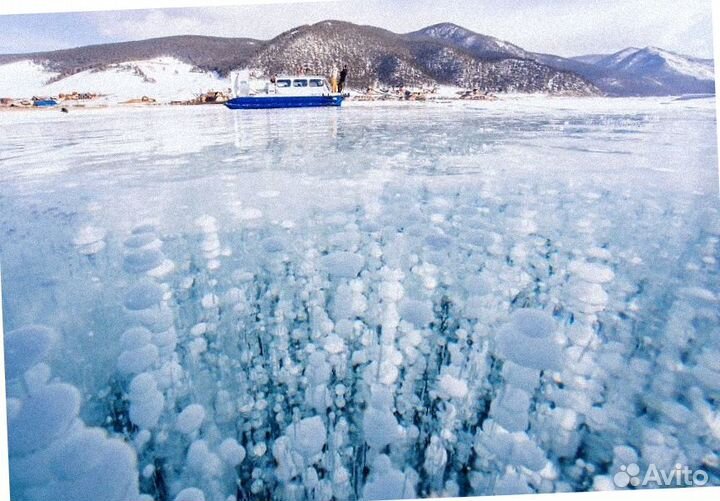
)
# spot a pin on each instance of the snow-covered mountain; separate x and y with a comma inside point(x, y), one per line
point(375, 56)
point(379, 56)
point(658, 63)
point(632, 71)
point(479, 45)
point(651, 70)
point(446, 54)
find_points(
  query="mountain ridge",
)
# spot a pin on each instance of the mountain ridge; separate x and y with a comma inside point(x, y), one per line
point(443, 53)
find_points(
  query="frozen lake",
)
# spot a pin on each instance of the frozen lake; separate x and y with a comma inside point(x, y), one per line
point(374, 302)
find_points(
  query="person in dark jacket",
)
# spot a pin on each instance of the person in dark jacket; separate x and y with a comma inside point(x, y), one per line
point(343, 77)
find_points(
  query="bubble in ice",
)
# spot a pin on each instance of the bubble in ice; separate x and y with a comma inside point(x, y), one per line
point(43, 416)
point(510, 408)
point(89, 235)
point(527, 340)
point(142, 260)
point(190, 419)
point(143, 227)
point(202, 461)
point(231, 452)
point(146, 402)
point(143, 295)
point(190, 494)
point(334, 344)
point(134, 361)
point(90, 240)
point(249, 214)
point(380, 427)
point(592, 294)
point(207, 224)
point(307, 436)
point(134, 337)
point(419, 313)
point(273, 245)
point(88, 466)
point(591, 272)
point(533, 323)
point(387, 482)
point(343, 264)
point(27, 346)
point(143, 241)
point(453, 387)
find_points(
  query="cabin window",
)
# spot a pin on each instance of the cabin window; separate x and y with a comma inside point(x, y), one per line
point(283, 83)
point(316, 82)
point(300, 83)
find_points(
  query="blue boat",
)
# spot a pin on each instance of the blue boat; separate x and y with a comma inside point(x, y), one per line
point(264, 102)
point(44, 102)
point(281, 92)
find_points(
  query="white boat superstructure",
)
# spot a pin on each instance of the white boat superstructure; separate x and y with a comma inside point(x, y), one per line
point(284, 85)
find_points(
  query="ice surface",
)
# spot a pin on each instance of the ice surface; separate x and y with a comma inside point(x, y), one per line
point(430, 300)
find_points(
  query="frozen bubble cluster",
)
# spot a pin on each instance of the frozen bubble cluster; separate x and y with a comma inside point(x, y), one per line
point(377, 329)
point(53, 453)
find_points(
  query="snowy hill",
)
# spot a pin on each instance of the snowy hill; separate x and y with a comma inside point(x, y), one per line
point(653, 71)
point(658, 63)
point(207, 53)
point(480, 45)
point(163, 78)
point(632, 71)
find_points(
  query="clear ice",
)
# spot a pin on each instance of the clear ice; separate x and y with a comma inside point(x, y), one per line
point(366, 303)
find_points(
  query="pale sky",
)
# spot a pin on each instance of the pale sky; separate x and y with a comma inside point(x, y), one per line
point(562, 27)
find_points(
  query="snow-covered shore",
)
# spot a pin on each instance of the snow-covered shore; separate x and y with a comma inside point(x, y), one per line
point(164, 79)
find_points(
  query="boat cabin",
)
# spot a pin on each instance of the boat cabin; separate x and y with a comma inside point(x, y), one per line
point(283, 85)
point(305, 85)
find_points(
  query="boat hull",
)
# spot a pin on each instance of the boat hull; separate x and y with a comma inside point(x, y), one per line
point(266, 102)
point(45, 103)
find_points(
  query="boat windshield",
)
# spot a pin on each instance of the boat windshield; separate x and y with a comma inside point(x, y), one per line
point(300, 83)
point(283, 83)
point(317, 82)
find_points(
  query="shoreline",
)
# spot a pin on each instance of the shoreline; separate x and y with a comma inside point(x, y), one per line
point(356, 101)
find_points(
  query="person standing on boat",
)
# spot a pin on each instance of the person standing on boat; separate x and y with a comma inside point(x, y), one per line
point(334, 80)
point(343, 77)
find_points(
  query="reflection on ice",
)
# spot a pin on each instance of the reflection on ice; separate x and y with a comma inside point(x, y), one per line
point(373, 302)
